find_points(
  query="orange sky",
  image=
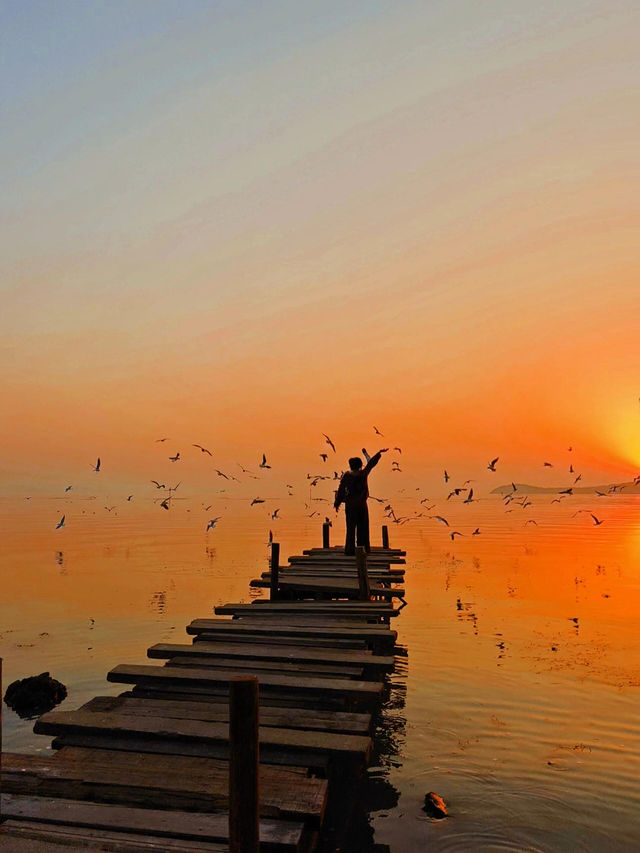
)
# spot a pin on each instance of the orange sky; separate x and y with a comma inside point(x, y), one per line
point(245, 228)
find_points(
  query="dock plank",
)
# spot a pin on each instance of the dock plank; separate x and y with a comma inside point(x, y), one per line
point(274, 835)
point(378, 633)
point(330, 586)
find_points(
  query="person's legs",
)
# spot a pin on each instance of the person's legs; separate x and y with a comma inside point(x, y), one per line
point(351, 518)
point(363, 528)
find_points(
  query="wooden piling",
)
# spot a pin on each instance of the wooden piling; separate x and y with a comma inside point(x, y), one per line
point(363, 575)
point(385, 536)
point(1, 703)
point(275, 570)
point(244, 758)
point(325, 534)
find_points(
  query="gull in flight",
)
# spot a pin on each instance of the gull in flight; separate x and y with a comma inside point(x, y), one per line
point(531, 521)
point(158, 485)
point(469, 497)
point(547, 465)
point(577, 479)
point(566, 492)
point(96, 467)
point(455, 533)
point(257, 501)
point(212, 523)
point(221, 474)
point(263, 464)
point(571, 471)
point(377, 432)
point(329, 442)
point(492, 465)
point(60, 523)
point(68, 489)
point(176, 457)
point(161, 439)
point(440, 519)
point(274, 514)
point(109, 508)
point(202, 449)
point(597, 521)
point(165, 503)
point(446, 476)
point(129, 498)
point(324, 456)
point(476, 532)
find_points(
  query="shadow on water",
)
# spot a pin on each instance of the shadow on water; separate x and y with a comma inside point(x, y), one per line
point(351, 831)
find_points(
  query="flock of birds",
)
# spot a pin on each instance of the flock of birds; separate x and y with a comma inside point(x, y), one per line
point(463, 493)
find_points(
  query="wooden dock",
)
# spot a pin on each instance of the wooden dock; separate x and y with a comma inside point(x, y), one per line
point(150, 769)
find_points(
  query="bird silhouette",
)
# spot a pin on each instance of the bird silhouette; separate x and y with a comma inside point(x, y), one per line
point(158, 485)
point(377, 432)
point(324, 456)
point(68, 489)
point(60, 523)
point(547, 465)
point(492, 465)
point(202, 449)
point(274, 514)
point(455, 533)
point(96, 467)
point(257, 501)
point(440, 519)
point(161, 439)
point(175, 458)
point(263, 464)
point(212, 523)
point(469, 497)
point(597, 521)
point(446, 476)
point(165, 503)
point(329, 442)
point(476, 532)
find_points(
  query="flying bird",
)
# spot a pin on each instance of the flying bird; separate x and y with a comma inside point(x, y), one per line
point(492, 465)
point(577, 479)
point(329, 442)
point(476, 532)
point(165, 503)
point(455, 533)
point(597, 521)
point(440, 519)
point(566, 492)
point(60, 523)
point(202, 449)
point(274, 514)
point(96, 467)
point(161, 439)
point(263, 464)
point(377, 432)
point(221, 474)
point(531, 521)
point(399, 449)
point(129, 498)
point(175, 458)
point(212, 523)
point(158, 485)
point(109, 508)
point(446, 476)
point(469, 497)
point(547, 465)
point(68, 489)
point(571, 471)
point(324, 456)
point(257, 501)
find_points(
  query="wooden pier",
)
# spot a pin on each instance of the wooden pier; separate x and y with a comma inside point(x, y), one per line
point(237, 741)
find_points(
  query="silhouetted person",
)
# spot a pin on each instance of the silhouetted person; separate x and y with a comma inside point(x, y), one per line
point(353, 491)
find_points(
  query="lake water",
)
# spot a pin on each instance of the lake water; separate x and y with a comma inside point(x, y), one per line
point(518, 701)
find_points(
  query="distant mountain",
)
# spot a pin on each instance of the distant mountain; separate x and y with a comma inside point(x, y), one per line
point(527, 489)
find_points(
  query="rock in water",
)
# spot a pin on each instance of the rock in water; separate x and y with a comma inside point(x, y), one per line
point(35, 695)
point(434, 805)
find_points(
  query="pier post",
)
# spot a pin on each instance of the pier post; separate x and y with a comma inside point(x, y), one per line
point(1, 695)
point(363, 575)
point(325, 534)
point(244, 763)
point(275, 571)
point(385, 536)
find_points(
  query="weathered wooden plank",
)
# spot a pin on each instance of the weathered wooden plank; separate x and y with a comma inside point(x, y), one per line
point(375, 549)
point(274, 653)
point(23, 836)
point(218, 712)
point(159, 781)
point(275, 835)
point(135, 673)
point(323, 620)
point(121, 724)
point(330, 586)
point(374, 558)
point(208, 692)
point(381, 608)
point(315, 642)
point(261, 666)
point(267, 627)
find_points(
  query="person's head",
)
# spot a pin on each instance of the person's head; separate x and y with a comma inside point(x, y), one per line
point(355, 463)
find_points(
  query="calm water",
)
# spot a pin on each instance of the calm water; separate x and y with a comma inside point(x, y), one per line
point(518, 699)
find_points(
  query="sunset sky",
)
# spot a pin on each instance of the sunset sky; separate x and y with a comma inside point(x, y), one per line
point(246, 224)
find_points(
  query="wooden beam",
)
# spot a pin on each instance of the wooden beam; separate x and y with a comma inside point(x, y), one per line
point(244, 761)
point(363, 577)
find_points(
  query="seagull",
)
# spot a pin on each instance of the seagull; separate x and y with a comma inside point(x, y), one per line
point(601, 494)
point(398, 469)
point(446, 476)
point(440, 519)
point(274, 514)
point(399, 449)
point(60, 523)
point(109, 508)
point(97, 466)
point(202, 449)
point(377, 432)
point(577, 479)
point(566, 492)
point(324, 456)
point(329, 442)
point(547, 465)
point(263, 464)
point(174, 488)
point(514, 487)
point(469, 497)
point(165, 503)
point(68, 489)
point(212, 523)
point(221, 474)
point(597, 521)
point(175, 458)
point(492, 465)
point(531, 521)
point(161, 439)
point(455, 533)
point(476, 532)
point(158, 485)
point(129, 498)
point(257, 501)
point(312, 514)
point(571, 471)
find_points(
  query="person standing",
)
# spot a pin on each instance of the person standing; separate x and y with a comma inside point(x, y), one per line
point(353, 491)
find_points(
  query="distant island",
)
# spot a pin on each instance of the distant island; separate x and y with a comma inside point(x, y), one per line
point(611, 489)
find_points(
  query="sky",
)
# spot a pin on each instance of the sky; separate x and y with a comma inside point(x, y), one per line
point(245, 224)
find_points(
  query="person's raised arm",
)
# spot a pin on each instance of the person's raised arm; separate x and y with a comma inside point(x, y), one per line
point(374, 460)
